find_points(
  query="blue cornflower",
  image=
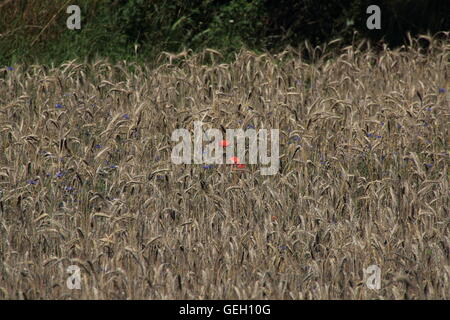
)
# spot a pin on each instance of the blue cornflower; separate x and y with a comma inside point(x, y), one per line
point(208, 166)
point(250, 126)
point(58, 106)
point(442, 90)
point(282, 247)
point(429, 109)
point(32, 181)
point(68, 188)
point(293, 139)
point(113, 166)
point(126, 116)
point(59, 174)
point(428, 165)
point(378, 137)
point(10, 68)
point(98, 146)
point(370, 135)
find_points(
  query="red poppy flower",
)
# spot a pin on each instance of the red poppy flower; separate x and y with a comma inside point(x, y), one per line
point(224, 143)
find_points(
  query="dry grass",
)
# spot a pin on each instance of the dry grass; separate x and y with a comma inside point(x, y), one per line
point(364, 143)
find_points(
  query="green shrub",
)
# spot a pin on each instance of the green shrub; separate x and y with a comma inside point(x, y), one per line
point(35, 30)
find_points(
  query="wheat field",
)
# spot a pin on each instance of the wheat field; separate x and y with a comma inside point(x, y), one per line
point(86, 177)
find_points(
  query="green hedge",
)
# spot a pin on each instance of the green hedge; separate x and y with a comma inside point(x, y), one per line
point(35, 30)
